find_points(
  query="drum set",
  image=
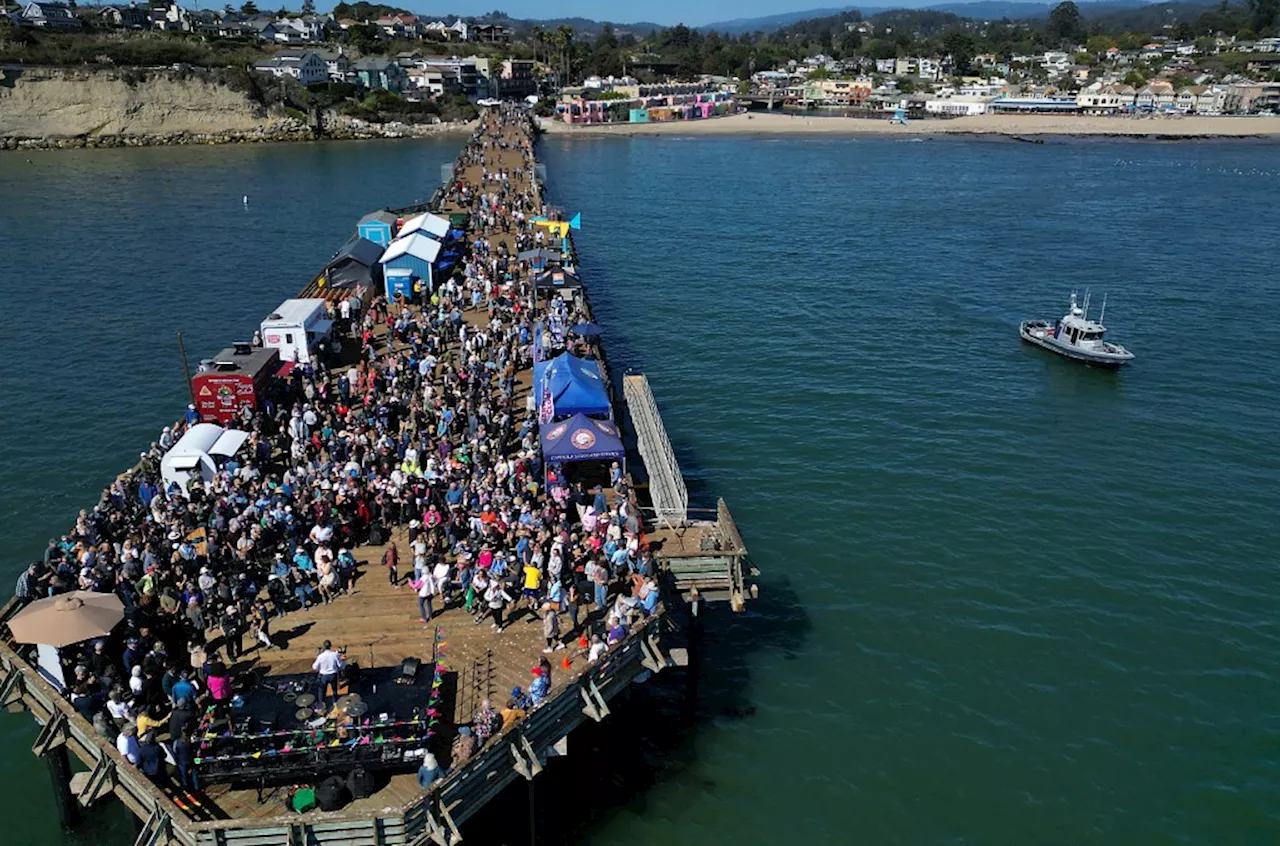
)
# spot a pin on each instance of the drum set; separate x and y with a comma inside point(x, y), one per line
point(312, 712)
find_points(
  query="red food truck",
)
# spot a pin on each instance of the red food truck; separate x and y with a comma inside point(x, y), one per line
point(232, 379)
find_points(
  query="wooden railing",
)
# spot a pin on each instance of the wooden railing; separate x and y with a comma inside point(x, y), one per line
point(434, 818)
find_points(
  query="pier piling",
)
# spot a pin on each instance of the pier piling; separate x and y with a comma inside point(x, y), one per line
point(64, 799)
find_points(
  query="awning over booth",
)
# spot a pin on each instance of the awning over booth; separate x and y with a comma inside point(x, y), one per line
point(581, 438)
point(576, 385)
point(557, 280)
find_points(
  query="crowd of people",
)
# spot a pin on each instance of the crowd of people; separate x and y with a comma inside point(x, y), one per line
point(425, 430)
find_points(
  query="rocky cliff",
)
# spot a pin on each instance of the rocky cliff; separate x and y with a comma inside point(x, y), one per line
point(69, 103)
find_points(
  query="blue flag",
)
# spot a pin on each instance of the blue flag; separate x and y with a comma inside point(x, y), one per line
point(575, 222)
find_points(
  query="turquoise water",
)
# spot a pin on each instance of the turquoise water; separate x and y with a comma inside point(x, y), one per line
point(1005, 598)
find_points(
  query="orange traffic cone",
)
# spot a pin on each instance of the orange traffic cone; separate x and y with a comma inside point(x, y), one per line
point(582, 642)
point(566, 663)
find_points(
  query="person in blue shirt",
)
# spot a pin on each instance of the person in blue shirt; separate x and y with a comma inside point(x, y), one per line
point(649, 597)
point(183, 688)
point(453, 496)
point(430, 772)
point(192, 416)
point(540, 686)
point(147, 491)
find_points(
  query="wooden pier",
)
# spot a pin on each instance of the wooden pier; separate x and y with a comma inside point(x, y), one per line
point(378, 623)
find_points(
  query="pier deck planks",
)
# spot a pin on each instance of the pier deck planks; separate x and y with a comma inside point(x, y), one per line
point(487, 663)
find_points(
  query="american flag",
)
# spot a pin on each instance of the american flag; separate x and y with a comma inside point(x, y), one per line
point(547, 408)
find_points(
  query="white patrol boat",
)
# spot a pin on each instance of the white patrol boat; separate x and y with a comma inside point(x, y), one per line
point(1076, 336)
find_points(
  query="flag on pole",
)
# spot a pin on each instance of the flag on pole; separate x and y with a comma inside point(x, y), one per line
point(575, 222)
point(547, 409)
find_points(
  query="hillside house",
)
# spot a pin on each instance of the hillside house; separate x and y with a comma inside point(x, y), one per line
point(399, 26)
point(49, 16)
point(306, 67)
point(123, 17)
point(385, 74)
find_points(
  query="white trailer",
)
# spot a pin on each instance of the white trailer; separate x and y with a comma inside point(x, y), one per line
point(296, 328)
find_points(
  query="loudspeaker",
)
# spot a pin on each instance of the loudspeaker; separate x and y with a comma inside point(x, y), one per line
point(331, 794)
point(409, 670)
point(360, 783)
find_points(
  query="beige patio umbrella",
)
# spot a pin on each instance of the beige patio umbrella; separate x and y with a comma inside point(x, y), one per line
point(67, 618)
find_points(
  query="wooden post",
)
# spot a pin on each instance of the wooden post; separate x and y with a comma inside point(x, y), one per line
point(63, 799)
point(186, 368)
point(694, 669)
point(533, 816)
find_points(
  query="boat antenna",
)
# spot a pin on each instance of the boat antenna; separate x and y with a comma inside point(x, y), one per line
point(1103, 313)
point(1086, 303)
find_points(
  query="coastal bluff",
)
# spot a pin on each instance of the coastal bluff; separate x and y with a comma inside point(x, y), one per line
point(48, 108)
point(58, 103)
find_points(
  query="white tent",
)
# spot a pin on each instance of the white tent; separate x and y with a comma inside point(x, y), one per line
point(426, 224)
point(200, 453)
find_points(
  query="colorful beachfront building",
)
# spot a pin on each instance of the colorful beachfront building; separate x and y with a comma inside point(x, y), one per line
point(645, 104)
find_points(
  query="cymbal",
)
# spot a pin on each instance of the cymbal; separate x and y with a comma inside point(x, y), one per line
point(356, 709)
point(343, 701)
point(306, 700)
point(302, 714)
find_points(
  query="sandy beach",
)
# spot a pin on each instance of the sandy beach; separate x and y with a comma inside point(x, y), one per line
point(774, 123)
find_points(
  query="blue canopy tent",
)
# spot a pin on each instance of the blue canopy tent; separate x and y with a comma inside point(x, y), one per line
point(581, 438)
point(577, 386)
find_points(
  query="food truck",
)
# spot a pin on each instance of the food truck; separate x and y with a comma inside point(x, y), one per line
point(236, 377)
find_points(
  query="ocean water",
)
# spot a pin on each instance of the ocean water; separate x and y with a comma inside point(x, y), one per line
point(1004, 598)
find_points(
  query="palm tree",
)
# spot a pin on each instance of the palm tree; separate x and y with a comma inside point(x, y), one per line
point(564, 40)
point(538, 35)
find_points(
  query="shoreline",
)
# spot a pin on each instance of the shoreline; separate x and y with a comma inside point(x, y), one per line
point(996, 126)
point(284, 133)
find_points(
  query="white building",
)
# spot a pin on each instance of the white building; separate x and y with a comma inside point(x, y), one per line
point(1056, 62)
point(956, 106)
point(306, 67)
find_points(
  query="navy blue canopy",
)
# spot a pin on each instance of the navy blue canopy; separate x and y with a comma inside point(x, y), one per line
point(587, 330)
point(580, 438)
point(577, 386)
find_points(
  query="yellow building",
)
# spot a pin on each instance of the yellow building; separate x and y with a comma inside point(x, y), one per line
point(837, 92)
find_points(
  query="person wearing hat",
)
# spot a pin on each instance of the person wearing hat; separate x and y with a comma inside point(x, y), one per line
point(541, 684)
point(192, 415)
point(430, 772)
point(464, 746)
point(127, 743)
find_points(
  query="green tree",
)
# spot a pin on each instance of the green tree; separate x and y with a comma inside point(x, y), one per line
point(1265, 13)
point(248, 7)
point(308, 7)
point(1099, 44)
point(1135, 78)
point(959, 44)
point(1064, 23)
